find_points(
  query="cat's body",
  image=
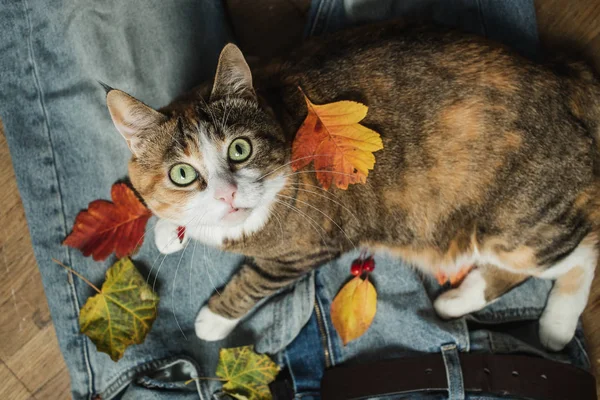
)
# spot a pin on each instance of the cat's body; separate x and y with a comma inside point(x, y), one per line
point(488, 160)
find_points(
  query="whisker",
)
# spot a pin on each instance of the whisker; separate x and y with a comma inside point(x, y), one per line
point(334, 201)
point(226, 117)
point(191, 268)
point(291, 162)
point(314, 186)
point(206, 265)
point(311, 221)
point(173, 290)
point(325, 215)
point(209, 111)
point(192, 259)
point(319, 170)
point(280, 225)
point(165, 256)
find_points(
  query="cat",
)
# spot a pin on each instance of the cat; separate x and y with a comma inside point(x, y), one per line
point(489, 160)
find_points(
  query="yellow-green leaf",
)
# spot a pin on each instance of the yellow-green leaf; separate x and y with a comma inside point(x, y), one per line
point(247, 374)
point(122, 313)
point(353, 309)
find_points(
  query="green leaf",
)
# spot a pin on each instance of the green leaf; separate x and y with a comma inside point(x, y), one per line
point(123, 311)
point(248, 374)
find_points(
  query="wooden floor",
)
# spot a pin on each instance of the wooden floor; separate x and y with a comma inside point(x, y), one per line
point(31, 366)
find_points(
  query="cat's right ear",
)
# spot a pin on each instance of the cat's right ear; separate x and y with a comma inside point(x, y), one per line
point(132, 118)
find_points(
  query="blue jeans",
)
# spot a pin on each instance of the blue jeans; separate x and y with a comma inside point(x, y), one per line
point(66, 153)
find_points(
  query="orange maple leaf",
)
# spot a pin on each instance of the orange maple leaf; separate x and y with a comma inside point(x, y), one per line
point(341, 148)
point(107, 227)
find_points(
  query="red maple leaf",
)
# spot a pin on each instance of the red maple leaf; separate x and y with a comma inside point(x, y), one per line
point(107, 227)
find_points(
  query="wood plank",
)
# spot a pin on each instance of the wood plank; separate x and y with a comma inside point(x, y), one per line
point(37, 362)
point(22, 316)
point(17, 262)
point(11, 388)
point(57, 388)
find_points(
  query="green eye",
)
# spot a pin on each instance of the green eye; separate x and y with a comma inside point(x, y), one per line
point(182, 174)
point(239, 150)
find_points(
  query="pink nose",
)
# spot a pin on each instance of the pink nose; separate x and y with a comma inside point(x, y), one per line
point(226, 193)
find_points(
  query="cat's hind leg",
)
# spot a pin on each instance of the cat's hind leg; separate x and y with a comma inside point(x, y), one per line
point(569, 295)
point(480, 287)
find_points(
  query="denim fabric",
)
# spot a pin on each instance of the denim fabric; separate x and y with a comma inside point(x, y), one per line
point(66, 153)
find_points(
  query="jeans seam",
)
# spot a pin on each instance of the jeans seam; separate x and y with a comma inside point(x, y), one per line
point(70, 282)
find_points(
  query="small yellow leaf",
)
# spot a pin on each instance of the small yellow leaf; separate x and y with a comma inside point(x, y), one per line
point(247, 374)
point(354, 308)
point(340, 148)
point(122, 313)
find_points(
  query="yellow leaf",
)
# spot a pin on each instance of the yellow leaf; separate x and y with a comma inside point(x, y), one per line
point(247, 374)
point(123, 311)
point(353, 309)
point(340, 148)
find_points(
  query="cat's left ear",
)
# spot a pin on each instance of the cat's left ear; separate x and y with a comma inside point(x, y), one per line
point(233, 78)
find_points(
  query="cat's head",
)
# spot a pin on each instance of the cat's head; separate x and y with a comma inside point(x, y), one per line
point(217, 163)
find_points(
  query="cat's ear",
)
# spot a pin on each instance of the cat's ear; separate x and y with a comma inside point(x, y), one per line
point(233, 78)
point(132, 118)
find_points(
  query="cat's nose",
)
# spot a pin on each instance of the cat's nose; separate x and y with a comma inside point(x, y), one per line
point(226, 193)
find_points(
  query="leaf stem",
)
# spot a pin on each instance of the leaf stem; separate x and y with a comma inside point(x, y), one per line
point(77, 274)
point(205, 379)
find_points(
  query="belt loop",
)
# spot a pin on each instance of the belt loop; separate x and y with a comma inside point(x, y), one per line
point(456, 387)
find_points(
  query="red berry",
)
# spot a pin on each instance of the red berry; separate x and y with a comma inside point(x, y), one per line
point(356, 268)
point(369, 264)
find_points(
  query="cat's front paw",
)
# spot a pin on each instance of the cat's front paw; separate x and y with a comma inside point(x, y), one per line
point(211, 327)
point(166, 237)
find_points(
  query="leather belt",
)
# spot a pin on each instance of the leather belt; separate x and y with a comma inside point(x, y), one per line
point(503, 375)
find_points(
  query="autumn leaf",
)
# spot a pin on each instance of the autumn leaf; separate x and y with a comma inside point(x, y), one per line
point(247, 374)
point(107, 227)
point(340, 148)
point(122, 312)
point(353, 309)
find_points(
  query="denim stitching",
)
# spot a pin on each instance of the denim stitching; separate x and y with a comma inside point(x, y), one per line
point(70, 282)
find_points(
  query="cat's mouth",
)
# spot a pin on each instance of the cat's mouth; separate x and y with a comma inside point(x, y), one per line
point(234, 216)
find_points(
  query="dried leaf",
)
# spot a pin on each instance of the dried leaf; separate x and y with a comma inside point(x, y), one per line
point(122, 313)
point(353, 309)
point(248, 374)
point(107, 227)
point(341, 148)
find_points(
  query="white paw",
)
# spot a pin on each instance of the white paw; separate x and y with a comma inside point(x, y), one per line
point(557, 325)
point(465, 299)
point(210, 326)
point(165, 237)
